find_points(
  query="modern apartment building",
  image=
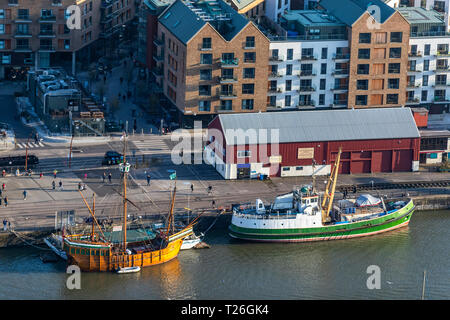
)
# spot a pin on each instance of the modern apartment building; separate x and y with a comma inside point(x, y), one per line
point(252, 9)
point(210, 59)
point(441, 6)
point(428, 83)
point(309, 68)
point(35, 33)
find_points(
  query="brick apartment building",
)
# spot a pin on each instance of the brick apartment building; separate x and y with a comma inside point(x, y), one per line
point(210, 60)
point(34, 33)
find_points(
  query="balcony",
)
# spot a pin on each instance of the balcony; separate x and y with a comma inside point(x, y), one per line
point(409, 70)
point(47, 19)
point(222, 109)
point(441, 84)
point(23, 34)
point(46, 34)
point(415, 54)
point(229, 63)
point(412, 100)
point(157, 72)
point(442, 68)
point(308, 103)
point(340, 88)
point(308, 57)
point(275, 75)
point(443, 53)
point(22, 48)
point(23, 19)
point(440, 99)
point(340, 72)
point(226, 94)
point(274, 90)
point(412, 85)
point(46, 48)
point(158, 57)
point(248, 45)
point(158, 42)
point(276, 58)
point(306, 89)
point(339, 103)
point(307, 73)
point(228, 79)
point(341, 56)
point(201, 47)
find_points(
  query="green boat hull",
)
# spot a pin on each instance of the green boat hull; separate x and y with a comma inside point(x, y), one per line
point(393, 220)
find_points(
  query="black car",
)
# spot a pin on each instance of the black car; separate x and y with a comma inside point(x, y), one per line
point(112, 157)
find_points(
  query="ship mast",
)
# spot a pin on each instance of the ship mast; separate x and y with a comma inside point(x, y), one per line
point(124, 168)
point(329, 194)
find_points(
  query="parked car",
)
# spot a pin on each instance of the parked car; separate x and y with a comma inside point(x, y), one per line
point(112, 157)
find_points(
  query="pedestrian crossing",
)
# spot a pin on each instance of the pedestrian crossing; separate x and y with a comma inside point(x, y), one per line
point(152, 147)
point(31, 145)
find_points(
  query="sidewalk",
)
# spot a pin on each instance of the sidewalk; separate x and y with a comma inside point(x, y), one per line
point(127, 110)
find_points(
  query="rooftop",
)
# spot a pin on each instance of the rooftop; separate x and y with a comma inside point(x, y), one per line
point(325, 125)
point(245, 5)
point(184, 18)
point(348, 11)
point(416, 15)
point(312, 18)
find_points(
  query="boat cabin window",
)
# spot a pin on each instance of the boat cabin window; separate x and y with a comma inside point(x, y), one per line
point(77, 251)
point(82, 251)
point(260, 206)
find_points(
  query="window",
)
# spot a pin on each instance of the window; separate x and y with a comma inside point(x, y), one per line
point(205, 74)
point(289, 69)
point(324, 53)
point(205, 58)
point(425, 81)
point(287, 101)
point(249, 42)
point(424, 95)
point(361, 100)
point(2, 14)
point(244, 153)
point(393, 83)
point(362, 84)
point(249, 73)
point(323, 68)
point(426, 65)
point(250, 57)
point(363, 53)
point(290, 54)
point(394, 68)
point(364, 37)
point(427, 50)
point(396, 36)
point(248, 88)
point(321, 99)
point(204, 105)
point(363, 69)
point(298, 168)
point(204, 90)
point(286, 169)
point(288, 85)
point(247, 104)
point(206, 44)
point(395, 53)
point(323, 84)
point(226, 105)
point(308, 53)
point(392, 98)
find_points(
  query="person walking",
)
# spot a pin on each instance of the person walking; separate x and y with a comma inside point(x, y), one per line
point(104, 177)
point(54, 173)
point(1, 201)
point(53, 185)
point(3, 186)
point(148, 179)
point(209, 190)
point(6, 201)
point(213, 203)
point(85, 176)
point(24, 194)
point(192, 187)
point(1, 192)
point(109, 177)
point(60, 185)
point(36, 138)
point(79, 186)
point(41, 175)
point(5, 222)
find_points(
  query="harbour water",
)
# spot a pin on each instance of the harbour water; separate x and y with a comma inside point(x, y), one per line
point(233, 269)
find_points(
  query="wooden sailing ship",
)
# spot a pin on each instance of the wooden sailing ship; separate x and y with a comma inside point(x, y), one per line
point(95, 253)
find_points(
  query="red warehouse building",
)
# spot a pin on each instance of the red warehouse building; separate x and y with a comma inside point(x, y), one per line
point(301, 143)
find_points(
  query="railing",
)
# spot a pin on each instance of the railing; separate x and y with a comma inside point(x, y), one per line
point(274, 75)
point(340, 72)
point(23, 47)
point(440, 98)
point(274, 90)
point(440, 83)
point(306, 89)
point(158, 42)
point(341, 56)
point(48, 18)
point(339, 102)
point(443, 53)
point(410, 99)
point(341, 87)
point(308, 37)
point(308, 57)
point(414, 54)
point(307, 73)
point(276, 58)
point(23, 17)
point(226, 93)
point(228, 79)
point(429, 34)
point(47, 48)
point(306, 103)
point(442, 68)
point(229, 62)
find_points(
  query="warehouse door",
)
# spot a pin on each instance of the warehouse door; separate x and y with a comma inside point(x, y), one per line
point(382, 161)
point(360, 166)
point(402, 160)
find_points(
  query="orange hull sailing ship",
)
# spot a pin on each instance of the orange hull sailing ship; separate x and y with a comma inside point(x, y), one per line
point(95, 253)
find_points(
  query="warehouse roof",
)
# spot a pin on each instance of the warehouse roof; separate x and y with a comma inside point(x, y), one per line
point(323, 125)
point(348, 11)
